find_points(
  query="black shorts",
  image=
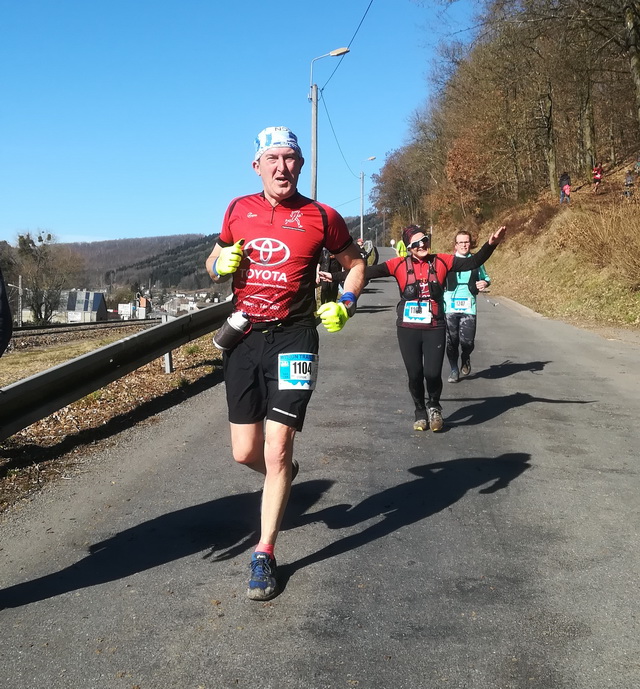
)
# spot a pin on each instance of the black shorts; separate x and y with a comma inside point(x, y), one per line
point(254, 380)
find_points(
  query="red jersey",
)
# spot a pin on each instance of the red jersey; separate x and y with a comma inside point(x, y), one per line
point(276, 279)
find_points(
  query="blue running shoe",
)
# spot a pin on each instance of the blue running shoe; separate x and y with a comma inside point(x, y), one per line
point(263, 584)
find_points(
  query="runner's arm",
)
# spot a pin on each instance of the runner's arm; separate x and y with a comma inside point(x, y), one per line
point(351, 260)
point(475, 261)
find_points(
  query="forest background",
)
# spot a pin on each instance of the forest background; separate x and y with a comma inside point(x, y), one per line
point(548, 86)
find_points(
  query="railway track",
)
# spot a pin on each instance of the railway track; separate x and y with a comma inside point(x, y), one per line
point(31, 337)
point(29, 331)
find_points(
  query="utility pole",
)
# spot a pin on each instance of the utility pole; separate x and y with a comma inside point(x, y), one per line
point(19, 301)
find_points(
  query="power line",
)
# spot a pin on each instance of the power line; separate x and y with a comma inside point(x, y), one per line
point(324, 103)
point(349, 44)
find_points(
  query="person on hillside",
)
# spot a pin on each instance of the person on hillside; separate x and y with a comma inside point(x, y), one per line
point(270, 243)
point(565, 188)
point(420, 317)
point(6, 321)
point(460, 293)
point(596, 175)
point(628, 184)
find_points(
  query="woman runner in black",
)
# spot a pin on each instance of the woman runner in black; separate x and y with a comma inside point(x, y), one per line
point(420, 318)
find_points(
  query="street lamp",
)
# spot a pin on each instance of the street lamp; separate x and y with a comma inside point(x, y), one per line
point(313, 97)
point(20, 293)
point(362, 198)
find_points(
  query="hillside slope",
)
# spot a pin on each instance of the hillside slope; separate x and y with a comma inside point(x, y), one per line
point(576, 262)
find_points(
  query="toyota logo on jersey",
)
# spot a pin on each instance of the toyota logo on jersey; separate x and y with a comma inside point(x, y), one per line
point(267, 252)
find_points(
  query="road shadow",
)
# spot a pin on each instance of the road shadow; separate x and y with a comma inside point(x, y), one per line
point(374, 309)
point(220, 529)
point(507, 368)
point(437, 486)
point(485, 409)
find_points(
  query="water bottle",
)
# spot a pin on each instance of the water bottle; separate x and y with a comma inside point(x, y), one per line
point(232, 331)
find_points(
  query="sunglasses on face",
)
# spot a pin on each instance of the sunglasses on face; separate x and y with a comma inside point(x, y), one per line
point(419, 243)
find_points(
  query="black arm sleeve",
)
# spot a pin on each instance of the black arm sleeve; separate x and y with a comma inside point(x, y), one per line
point(381, 270)
point(475, 261)
point(6, 323)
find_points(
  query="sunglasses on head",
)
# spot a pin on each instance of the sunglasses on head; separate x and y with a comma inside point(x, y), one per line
point(423, 241)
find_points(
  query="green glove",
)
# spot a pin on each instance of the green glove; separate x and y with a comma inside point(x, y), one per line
point(229, 259)
point(333, 316)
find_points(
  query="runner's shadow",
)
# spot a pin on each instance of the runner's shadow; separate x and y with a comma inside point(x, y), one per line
point(375, 309)
point(438, 486)
point(508, 368)
point(220, 529)
point(492, 407)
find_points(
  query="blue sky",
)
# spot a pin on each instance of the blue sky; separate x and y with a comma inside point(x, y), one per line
point(133, 118)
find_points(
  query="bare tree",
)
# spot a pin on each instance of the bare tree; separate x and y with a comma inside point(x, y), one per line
point(46, 269)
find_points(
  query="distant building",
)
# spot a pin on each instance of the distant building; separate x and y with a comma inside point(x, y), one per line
point(85, 307)
point(76, 306)
point(176, 306)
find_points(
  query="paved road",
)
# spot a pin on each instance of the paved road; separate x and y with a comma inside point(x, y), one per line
point(500, 553)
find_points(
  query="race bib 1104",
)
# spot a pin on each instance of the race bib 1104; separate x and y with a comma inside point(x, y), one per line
point(297, 371)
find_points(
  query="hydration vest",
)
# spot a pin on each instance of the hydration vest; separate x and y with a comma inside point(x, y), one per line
point(452, 281)
point(435, 288)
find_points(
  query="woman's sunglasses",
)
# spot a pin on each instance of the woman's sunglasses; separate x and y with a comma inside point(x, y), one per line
point(419, 243)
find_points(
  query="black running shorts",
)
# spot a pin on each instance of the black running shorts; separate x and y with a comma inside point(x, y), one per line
point(271, 373)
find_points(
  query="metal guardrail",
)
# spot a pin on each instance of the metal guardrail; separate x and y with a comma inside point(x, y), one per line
point(34, 398)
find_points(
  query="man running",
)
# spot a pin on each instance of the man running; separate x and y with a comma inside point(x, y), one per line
point(271, 243)
point(460, 293)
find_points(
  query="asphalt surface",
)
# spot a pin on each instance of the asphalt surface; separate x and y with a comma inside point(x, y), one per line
point(499, 553)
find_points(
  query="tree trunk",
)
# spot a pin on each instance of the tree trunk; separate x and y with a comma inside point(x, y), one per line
point(587, 127)
point(613, 154)
point(546, 108)
point(631, 9)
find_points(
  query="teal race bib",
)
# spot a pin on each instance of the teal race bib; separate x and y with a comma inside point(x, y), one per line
point(461, 304)
point(297, 371)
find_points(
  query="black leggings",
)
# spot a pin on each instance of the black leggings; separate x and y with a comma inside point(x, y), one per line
point(423, 353)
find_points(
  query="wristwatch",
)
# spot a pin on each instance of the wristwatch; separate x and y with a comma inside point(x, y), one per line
point(348, 300)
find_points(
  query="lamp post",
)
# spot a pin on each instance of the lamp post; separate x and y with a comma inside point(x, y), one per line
point(20, 293)
point(313, 97)
point(362, 198)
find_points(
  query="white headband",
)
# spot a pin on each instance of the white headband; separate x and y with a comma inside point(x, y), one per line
point(276, 137)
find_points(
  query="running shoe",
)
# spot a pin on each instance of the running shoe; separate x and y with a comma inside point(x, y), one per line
point(454, 376)
point(262, 584)
point(435, 419)
point(420, 425)
point(295, 468)
point(465, 369)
